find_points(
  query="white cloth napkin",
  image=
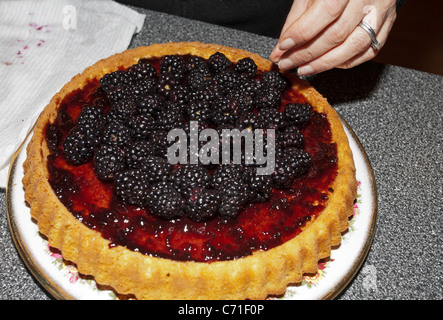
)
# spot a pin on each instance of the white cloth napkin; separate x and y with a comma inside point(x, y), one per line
point(43, 44)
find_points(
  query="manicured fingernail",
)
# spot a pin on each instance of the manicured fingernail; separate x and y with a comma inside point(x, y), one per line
point(272, 55)
point(286, 44)
point(286, 64)
point(305, 70)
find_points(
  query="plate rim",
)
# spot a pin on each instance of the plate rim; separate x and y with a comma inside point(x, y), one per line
point(60, 294)
point(343, 283)
point(45, 281)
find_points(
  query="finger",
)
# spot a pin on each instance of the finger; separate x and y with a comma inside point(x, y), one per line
point(358, 42)
point(333, 35)
point(297, 9)
point(369, 54)
point(314, 20)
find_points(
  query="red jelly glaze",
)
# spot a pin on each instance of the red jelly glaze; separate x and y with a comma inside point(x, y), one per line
point(259, 226)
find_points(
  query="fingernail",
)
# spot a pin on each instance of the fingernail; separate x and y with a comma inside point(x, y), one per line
point(286, 44)
point(305, 70)
point(286, 64)
point(272, 55)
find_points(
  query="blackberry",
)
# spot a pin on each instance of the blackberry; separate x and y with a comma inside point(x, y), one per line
point(247, 67)
point(233, 198)
point(298, 113)
point(224, 111)
point(164, 201)
point(236, 188)
point(136, 152)
point(150, 104)
point(248, 87)
point(111, 81)
point(142, 70)
point(267, 97)
point(143, 87)
point(291, 137)
point(249, 120)
point(79, 144)
point(260, 185)
point(180, 95)
point(272, 118)
point(199, 111)
point(283, 174)
point(274, 79)
point(197, 63)
point(198, 80)
point(157, 168)
point(141, 126)
point(190, 178)
point(227, 79)
point(202, 205)
point(230, 206)
point(169, 118)
point(166, 83)
point(299, 160)
point(244, 100)
point(121, 112)
point(119, 94)
point(159, 143)
point(91, 116)
point(116, 134)
point(224, 174)
point(173, 65)
point(108, 160)
point(218, 62)
point(132, 186)
point(212, 93)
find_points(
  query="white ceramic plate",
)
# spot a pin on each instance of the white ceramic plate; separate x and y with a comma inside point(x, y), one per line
point(63, 281)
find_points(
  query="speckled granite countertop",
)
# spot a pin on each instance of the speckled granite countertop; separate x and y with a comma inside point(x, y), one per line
point(397, 115)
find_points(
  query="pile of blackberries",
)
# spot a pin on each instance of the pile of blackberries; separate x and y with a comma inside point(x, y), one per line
point(128, 144)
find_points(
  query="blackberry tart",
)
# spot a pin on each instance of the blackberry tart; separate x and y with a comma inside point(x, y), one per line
point(101, 188)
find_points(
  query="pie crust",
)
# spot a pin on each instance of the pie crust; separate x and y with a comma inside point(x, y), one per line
point(254, 276)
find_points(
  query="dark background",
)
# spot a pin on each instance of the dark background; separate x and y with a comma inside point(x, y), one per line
point(415, 41)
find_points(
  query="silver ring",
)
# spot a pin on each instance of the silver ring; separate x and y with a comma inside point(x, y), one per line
point(374, 42)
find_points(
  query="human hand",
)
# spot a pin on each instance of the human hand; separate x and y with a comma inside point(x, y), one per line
point(319, 35)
